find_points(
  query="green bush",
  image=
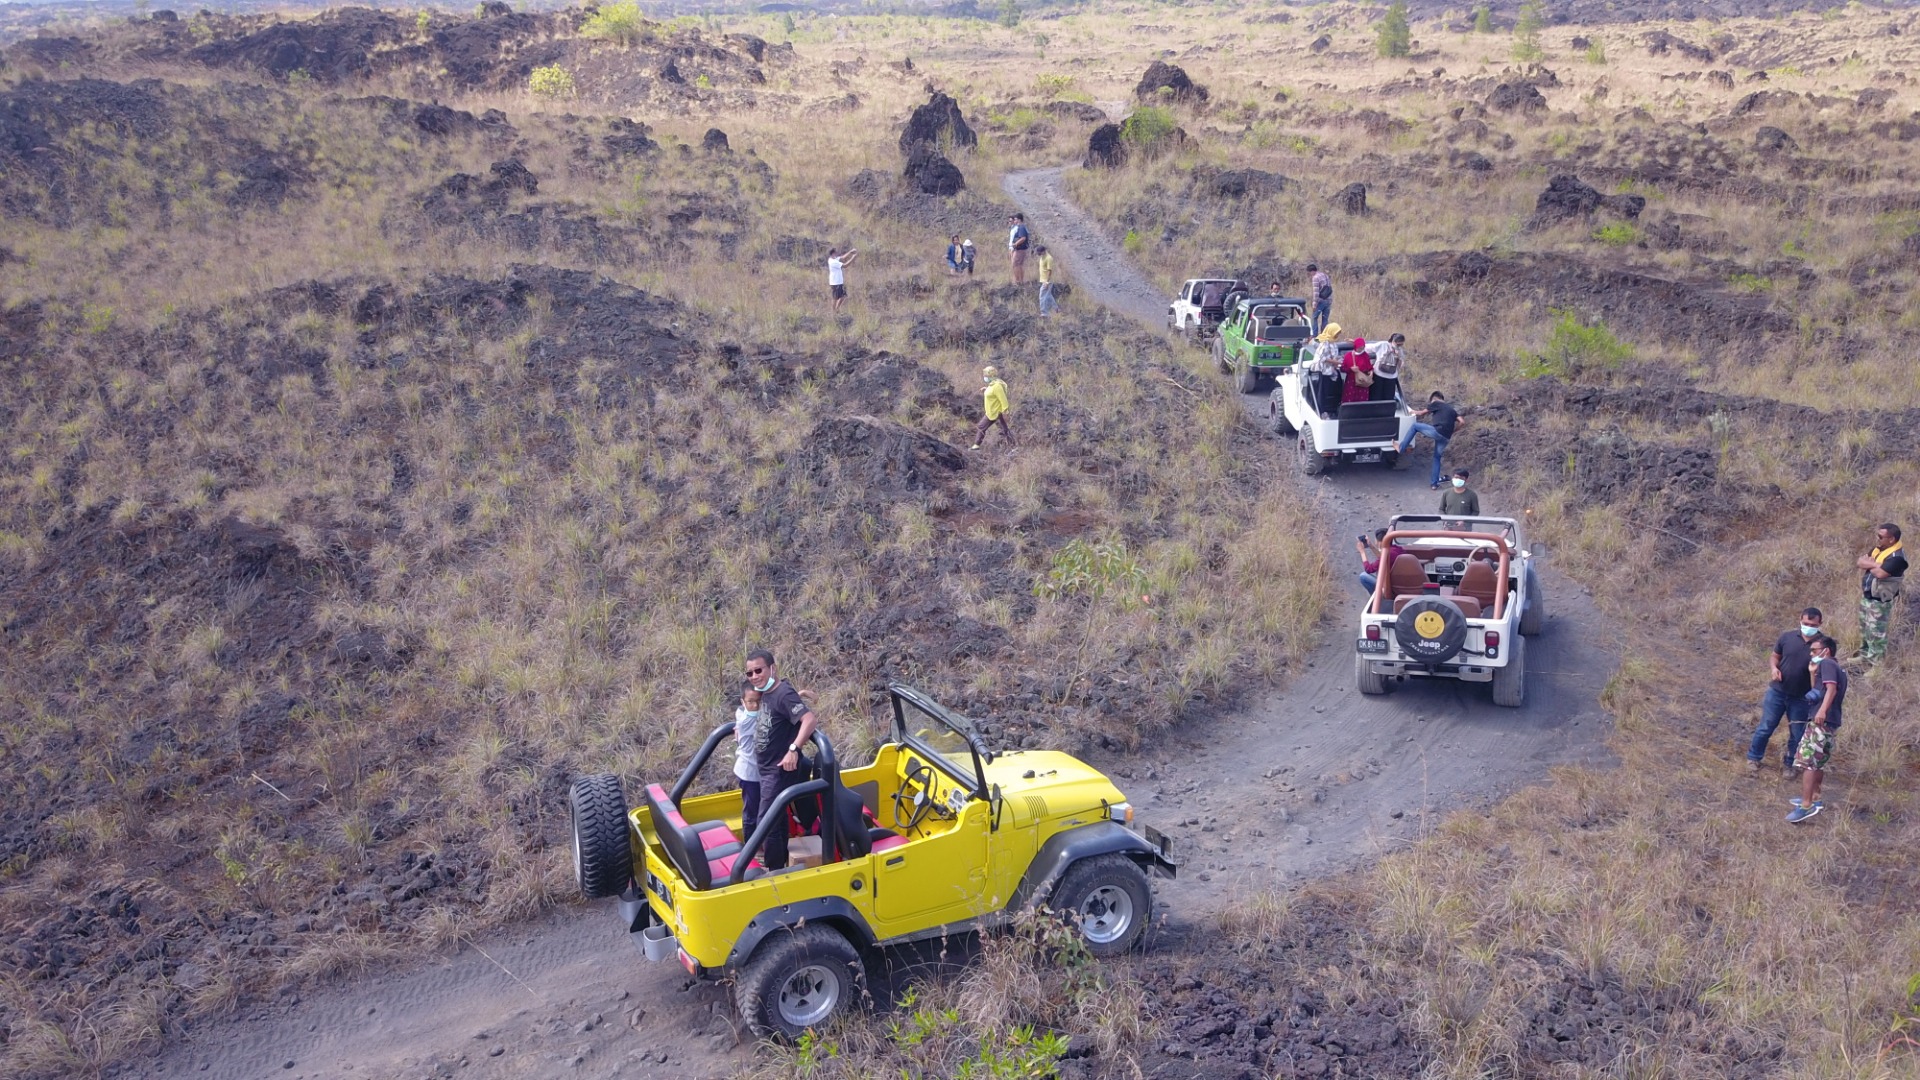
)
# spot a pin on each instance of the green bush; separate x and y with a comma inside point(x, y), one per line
point(1052, 85)
point(1596, 53)
point(619, 22)
point(1483, 20)
point(1147, 127)
point(1618, 234)
point(1576, 347)
point(1133, 242)
point(552, 81)
point(1009, 14)
point(1393, 37)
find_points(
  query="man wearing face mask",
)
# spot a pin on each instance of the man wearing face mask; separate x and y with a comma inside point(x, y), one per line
point(1787, 693)
point(1829, 693)
point(1460, 500)
point(786, 724)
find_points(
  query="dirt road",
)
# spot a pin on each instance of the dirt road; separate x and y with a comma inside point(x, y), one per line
point(1309, 781)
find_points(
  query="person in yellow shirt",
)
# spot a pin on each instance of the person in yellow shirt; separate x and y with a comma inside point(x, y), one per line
point(995, 411)
point(1046, 280)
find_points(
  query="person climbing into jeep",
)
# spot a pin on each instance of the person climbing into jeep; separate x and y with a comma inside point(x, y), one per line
point(1389, 359)
point(1882, 571)
point(786, 724)
point(1438, 421)
point(995, 409)
point(1322, 297)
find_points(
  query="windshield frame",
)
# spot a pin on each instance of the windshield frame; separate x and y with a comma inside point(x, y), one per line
point(947, 761)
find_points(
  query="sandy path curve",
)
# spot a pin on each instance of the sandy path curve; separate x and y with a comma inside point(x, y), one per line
point(1307, 781)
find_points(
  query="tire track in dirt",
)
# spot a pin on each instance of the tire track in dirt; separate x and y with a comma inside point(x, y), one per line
point(1305, 782)
point(1314, 778)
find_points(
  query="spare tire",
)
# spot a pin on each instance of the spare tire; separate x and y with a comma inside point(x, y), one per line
point(1430, 630)
point(602, 852)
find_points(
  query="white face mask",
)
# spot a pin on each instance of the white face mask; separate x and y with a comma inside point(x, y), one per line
point(1459, 483)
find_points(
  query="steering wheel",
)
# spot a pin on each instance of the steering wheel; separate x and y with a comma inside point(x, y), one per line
point(919, 780)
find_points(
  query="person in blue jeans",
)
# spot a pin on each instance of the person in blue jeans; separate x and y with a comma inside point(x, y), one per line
point(1441, 421)
point(1787, 693)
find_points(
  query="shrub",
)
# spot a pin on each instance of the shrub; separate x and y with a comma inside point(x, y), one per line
point(1147, 126)
point(552, 81)
point(1133, 242)
point(619, 22)
point(786, 24)
point(1596, 53)
point(1618, 234)
point(1576, 347)
point(1392, 36)
point(1483, 20)
point(1009, 13)
point(1051, 84)
point(1526, 31)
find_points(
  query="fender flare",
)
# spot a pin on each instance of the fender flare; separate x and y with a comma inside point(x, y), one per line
point(1063, 849)
point(834, 911)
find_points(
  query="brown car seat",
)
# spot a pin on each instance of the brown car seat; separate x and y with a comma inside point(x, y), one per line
point(1480, 582)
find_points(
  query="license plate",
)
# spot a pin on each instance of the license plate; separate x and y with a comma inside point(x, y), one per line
point(1372, 645)
point(1366, 456)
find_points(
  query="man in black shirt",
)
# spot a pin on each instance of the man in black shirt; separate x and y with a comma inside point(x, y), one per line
point(1829, 691)
point(1882, 571)
point(1787, 693)
point(1441, 420)
point(787, 724)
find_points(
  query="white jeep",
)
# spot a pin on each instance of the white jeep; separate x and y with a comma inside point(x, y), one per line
point(1201, 305)
point(1457, 602)
point(1356, 432)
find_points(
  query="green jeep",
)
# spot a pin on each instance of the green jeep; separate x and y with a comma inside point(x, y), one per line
point(1263, 335)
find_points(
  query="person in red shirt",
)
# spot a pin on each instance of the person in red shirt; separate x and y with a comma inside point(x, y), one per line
point(1374, 562)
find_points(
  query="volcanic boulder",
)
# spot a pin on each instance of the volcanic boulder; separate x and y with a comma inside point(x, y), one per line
point(937, 121)
point(928, 171)
point(1524, 97)
point(1773, 139)
point(1105, 148)
point(1164, 80)
point(1566, 198)
point(715, 142)
point(1352, 198)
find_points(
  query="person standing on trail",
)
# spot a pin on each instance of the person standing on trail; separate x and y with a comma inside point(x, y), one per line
point(786, 724)
point(1046, 280)
point(1322, 297)
point(1460, 501)
point(837, 275)
point(1019, 239)
point(1389, 358)
point(1787, 692)
point(966, 255)
point(1829, 692)
point(995, 411)
point(1442, 420)
point(1882, 571)
point(956, 257)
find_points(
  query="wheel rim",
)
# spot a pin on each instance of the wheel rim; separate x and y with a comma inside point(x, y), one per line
point(809, 995)
point(1106, 914)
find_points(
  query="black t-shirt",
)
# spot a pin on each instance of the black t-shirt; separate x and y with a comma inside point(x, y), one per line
point(1895, 565)
point(1443, 416)
point(1794, 657)
point(782, 723)
point(1830, 672)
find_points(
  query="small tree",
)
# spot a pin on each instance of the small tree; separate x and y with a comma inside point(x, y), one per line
point(1009, 13)
point(1526, 30)
point(620, 22)
point(1483, 20)
point(786, 23)
point(1393, 37)
point(552, 81)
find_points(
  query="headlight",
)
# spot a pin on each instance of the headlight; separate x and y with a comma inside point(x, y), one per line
point(1121, 812)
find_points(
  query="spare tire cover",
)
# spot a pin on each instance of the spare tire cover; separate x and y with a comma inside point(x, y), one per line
point(1431, 630)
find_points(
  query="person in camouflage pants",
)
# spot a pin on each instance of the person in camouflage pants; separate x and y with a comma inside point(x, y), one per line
point(1882, 571)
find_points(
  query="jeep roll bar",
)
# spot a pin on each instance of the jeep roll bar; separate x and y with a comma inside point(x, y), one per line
point(1383, 580)
point(827, 782)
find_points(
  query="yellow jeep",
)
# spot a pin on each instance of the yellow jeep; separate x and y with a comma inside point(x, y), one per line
point(938, 835)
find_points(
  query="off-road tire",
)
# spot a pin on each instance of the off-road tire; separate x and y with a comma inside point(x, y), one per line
point(1510, 682)
point(602, 853)
point(1248, 377)
point(1533, 617)
point(1107, 897)
point(1369, 681)
point(799, 978)
point(1277, 412)
point(1311, 463)
point(1220, 356)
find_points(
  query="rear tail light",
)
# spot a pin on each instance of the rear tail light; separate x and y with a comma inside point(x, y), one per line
point(686, 961)
point(1493, 644)
point(1373, 631)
